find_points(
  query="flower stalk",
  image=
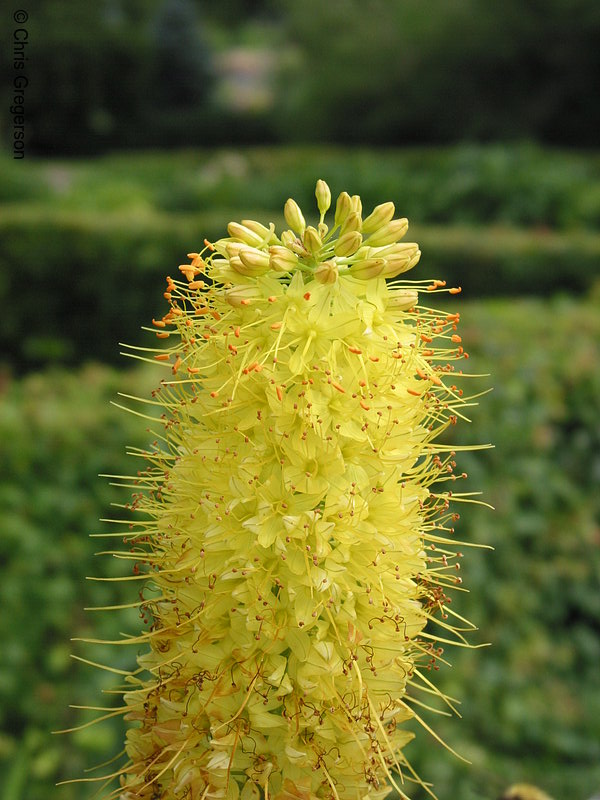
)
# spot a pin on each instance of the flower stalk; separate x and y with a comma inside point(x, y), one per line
point(292, 526)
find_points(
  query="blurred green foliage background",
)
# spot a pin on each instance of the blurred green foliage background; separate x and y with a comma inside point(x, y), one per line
point(152, 123)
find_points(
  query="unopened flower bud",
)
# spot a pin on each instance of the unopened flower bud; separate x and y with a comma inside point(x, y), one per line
point(244, 234)
point(255, 261)
point(395, 266)
point(282, 259)
point(323, 195)
point(389, 233)
point(343, 207)
point(352, 222)
point(348, 244)
point(293, 216)
point(367, 269)
point(312, 240)
point(402, 299)
point(327, 272)
point(242, 295)
point(288, 238)
point(380, 216)
point(356, 203)
point(267, 235)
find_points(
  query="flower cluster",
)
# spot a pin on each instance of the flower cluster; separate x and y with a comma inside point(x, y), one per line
point(296, 546)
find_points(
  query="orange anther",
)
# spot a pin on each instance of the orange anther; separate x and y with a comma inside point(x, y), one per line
point(374, 358)
point(338, 387)
point(233, 349)
point(364, 405)
point(159, 323)
point(355, 350)
point(167, 295)
point(276, 325)
point(215, 315)
point(193, 370)
point(272, 299)
point(362, 383)
point(209, 245)
point(455, 338)
point(162, 357)
point(196, 285)
point(279, 393)
point(245, 302)
point(426, 338)
point(214, 394)
point(192, 255)
point(307, 296)
point(422, 374)
point(455, 290)
point(414, 392)
point(236, 332)
point(162, 335)
point(428, 352)
point(176, 365)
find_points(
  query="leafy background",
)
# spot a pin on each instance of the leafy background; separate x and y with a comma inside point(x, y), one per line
point(224, 112)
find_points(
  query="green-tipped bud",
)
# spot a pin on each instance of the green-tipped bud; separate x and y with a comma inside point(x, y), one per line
point(343, 208)
point(348, 244)
point(353, 222)
point(389, 233)
point(380, 216)
point(281, 259)
point(244, 234)
point(312, 240)
point(402, 300)
point(293, 216)
point(327, 272)
point(323, 195)
point(367, 269)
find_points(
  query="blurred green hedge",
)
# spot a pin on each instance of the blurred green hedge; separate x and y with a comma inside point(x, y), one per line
point(73, 284)
point(531, 702)
point(521, 185)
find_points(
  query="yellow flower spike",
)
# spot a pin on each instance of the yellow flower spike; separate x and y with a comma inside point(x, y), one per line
point(293, 528)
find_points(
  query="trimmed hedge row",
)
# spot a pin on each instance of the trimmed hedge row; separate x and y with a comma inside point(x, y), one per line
point(72, 285)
